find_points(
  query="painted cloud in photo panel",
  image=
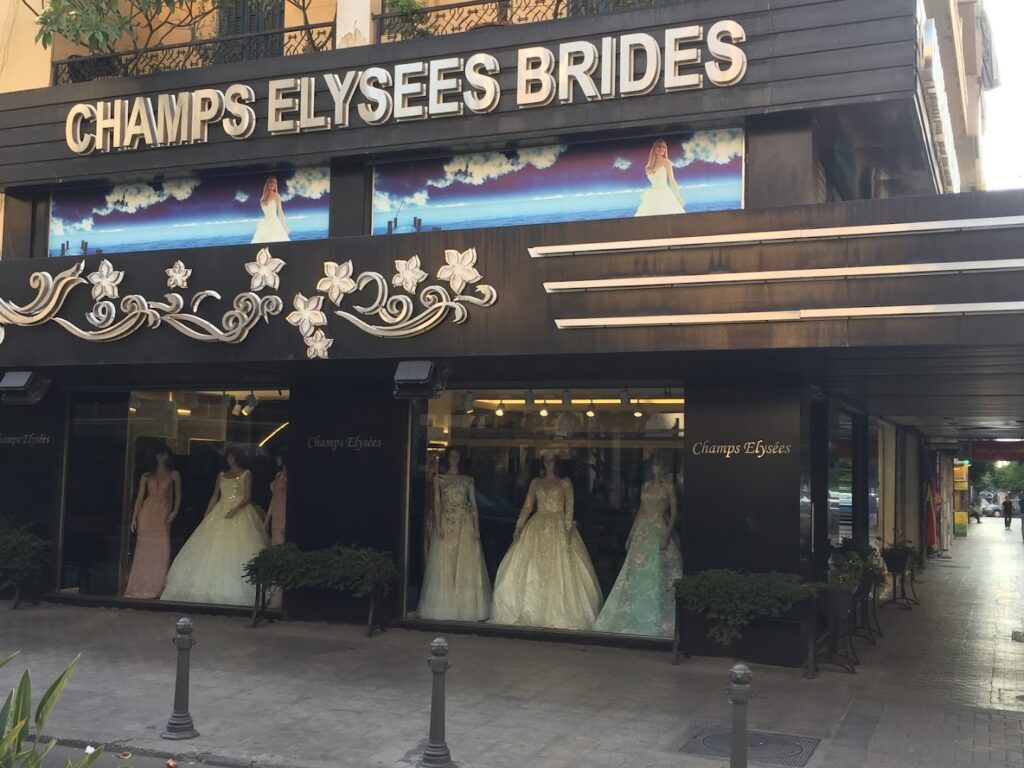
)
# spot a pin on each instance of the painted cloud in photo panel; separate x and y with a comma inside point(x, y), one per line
point(694, 172)
point(197, 211)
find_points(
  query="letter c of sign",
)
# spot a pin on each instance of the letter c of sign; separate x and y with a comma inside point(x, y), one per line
point(79, 143)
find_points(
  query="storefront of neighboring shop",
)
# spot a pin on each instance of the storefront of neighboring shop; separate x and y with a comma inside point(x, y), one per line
point(607, 260)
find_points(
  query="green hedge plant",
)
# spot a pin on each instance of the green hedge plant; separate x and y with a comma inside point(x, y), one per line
point(730, 600)
point(22, 555)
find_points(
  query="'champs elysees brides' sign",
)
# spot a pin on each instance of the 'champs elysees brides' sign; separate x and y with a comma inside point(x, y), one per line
point(759, 449)
point(686, 58)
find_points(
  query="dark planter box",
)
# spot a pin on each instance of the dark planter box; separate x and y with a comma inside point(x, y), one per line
point(896, 561)
point(782, 641)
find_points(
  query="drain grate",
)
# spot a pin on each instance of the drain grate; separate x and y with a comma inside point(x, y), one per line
point(762, 747)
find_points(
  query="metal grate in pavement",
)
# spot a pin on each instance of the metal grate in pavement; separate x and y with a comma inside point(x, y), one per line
point(762, 747)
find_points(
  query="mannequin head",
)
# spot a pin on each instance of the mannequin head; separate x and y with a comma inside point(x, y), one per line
point(161, 458)
point(660, 470)
point(452, 462)
point(549, 458)
point(281, 460)
point(233, 458)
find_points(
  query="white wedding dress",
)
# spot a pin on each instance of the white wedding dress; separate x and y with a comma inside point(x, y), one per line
point(546, 578)
point(660, 199)
point(209, 567)
point(455, 582)
point(270, 229)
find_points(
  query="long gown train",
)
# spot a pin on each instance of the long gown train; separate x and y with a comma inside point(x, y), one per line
point(209, 567)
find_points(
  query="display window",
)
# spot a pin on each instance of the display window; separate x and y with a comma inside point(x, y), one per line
point(170, 493)
point(554, 508)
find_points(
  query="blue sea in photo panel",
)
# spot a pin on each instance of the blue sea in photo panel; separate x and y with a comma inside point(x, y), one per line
point(200, 211)
point(559, 183)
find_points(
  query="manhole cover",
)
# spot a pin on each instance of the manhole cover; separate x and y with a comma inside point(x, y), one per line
point(762, 747)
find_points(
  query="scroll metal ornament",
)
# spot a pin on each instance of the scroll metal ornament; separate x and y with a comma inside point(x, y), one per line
point(397, 313)
point(111, 321)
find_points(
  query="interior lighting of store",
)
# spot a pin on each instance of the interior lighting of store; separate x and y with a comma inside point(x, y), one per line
point(591, 413)
point(500, 410)
point(184, 411)
point(543, 412)
point(585, 401)
point(250, 404)
point(274, 432)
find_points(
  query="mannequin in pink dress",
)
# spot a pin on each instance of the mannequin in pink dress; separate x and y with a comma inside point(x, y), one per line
point(156, 506)
point(274, 523)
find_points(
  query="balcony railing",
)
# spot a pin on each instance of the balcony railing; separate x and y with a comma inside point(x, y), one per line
point(404, 24)
point(196, 54)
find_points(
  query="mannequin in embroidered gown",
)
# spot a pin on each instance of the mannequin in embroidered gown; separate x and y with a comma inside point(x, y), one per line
point(156, 506)
point(275, 521)
point(642, 602)
point(663, 197)
point(546, 578)
point(455, 582)
point(273, 228)
point(209, 567)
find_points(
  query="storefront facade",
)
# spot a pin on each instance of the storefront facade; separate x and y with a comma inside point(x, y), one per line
point(508, 206)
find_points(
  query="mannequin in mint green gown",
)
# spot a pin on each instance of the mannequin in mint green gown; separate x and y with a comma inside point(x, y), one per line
point(642, 602)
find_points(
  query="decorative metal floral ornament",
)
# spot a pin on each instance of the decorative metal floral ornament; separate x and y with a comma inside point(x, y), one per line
point(397, 313)
point(248, 308)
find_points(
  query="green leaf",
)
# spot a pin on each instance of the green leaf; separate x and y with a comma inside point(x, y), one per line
point(22, 709)
point(7, 743)
point(49, 699)
point(6, 721)
point(7, 659)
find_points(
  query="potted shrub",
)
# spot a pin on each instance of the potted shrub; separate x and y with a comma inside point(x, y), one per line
point(720, 605)
point(22, 555)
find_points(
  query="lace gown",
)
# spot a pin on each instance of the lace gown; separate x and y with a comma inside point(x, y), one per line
point(660, 199)
point(153, 538)
point(270, 229)
point(455, 582)
point(642, 602)
point(209, 567)
point(546, 578)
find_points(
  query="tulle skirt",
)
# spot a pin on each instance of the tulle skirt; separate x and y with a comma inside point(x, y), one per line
point(546, 579)
point(659, 201)
point(209, 567)
point(270, 230)
point(455, 582)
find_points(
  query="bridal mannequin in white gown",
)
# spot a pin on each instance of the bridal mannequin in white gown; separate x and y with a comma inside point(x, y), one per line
point(273, 228)
point(455, 582)
point(546, 578)
point(208, 569)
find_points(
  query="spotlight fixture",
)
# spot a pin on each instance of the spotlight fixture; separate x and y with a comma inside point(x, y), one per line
point(591, 413)
point(530, 398)
point(543, 411)
point(624, 398)
point(184, 411)
point(468, 401)
point(566, 398)
point(226, 400)
point(639, 412)
point(236, 409)
point(191, 400)
point(250, 404)
point(134, 403)
point(500, 410)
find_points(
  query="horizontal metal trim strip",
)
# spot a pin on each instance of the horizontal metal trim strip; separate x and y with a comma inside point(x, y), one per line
point(778, 236)
point(794, 315)
point(785, 275)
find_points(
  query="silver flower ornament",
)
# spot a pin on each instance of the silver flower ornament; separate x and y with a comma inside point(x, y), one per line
point(337, 281)
point(308, 313)
point(178, 275)
point(408, 274)
point(317, 345)
point(105, 281)
point(459, 270)
point(264, 271)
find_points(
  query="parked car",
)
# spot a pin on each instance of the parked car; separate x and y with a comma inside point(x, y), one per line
point(990, 508)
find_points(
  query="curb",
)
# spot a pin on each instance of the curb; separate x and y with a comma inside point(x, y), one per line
point(202, 758)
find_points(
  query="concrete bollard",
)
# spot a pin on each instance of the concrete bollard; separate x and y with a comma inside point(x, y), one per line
point(437, 754)
point(180, 726)
point(739, 694)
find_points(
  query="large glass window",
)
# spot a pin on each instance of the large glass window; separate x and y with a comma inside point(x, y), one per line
point(176, 481)
point(547, 508)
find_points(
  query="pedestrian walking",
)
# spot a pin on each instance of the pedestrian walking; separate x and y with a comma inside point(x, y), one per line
point(1007, 512)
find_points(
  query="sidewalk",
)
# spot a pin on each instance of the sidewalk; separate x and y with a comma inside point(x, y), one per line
point(944, 687)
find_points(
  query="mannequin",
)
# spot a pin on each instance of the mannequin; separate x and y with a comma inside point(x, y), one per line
point(455, 582)
point(156, 505)
point(209, 567)
point(546, 578)
point(642, 602)
point(275, 522)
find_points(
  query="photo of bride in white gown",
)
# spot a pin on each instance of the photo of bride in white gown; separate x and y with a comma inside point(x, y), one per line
point(208, 569)
point(663, 197)
point(546, 578)
point(273, 227)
